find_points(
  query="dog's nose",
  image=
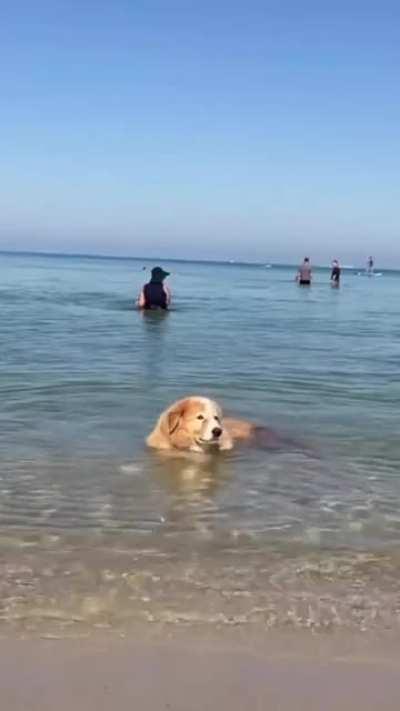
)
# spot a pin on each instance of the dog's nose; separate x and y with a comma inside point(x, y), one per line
point(217, 432)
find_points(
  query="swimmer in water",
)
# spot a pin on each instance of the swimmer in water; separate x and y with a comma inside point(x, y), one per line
point(304, 274)
point(155, 295)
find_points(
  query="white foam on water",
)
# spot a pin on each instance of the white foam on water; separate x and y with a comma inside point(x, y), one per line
point(131, 469)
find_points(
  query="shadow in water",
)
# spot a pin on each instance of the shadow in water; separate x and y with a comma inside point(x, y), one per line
point(152, 346)
point(154, 318)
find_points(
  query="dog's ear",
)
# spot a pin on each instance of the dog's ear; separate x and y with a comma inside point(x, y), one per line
point(173, 421)
point(174, 416)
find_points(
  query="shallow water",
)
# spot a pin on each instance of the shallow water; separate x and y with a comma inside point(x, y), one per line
point(83, 376)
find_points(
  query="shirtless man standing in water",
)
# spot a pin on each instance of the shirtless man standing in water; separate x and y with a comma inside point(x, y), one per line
point(304, 275)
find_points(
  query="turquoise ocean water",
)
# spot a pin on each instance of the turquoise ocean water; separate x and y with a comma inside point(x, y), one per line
point(95, 530)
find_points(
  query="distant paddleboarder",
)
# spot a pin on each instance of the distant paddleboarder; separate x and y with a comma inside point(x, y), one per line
point(370, 265)
point(335, 273)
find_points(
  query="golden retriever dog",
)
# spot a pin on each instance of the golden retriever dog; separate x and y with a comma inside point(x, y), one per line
point(196, 424)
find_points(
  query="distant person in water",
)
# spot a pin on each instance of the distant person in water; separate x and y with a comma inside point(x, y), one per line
point(335, 273)
point(304, 275)
point(155, 295)
point(370, 265)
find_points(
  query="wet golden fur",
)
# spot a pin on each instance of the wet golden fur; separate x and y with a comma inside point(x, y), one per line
point(197, 424)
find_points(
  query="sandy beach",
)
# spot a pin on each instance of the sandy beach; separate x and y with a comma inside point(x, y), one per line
point(120, 674)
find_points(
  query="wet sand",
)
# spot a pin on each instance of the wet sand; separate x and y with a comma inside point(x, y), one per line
point(125, 675)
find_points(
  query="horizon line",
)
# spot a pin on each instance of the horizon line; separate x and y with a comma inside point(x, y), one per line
point(232, 262)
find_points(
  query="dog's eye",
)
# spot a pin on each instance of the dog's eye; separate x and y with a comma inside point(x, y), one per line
point(217, 418)
point(200, 417)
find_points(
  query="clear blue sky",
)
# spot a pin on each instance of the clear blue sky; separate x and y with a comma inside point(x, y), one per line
point(256, 130)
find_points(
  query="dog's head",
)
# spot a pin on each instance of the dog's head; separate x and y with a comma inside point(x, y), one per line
point(195, 423)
